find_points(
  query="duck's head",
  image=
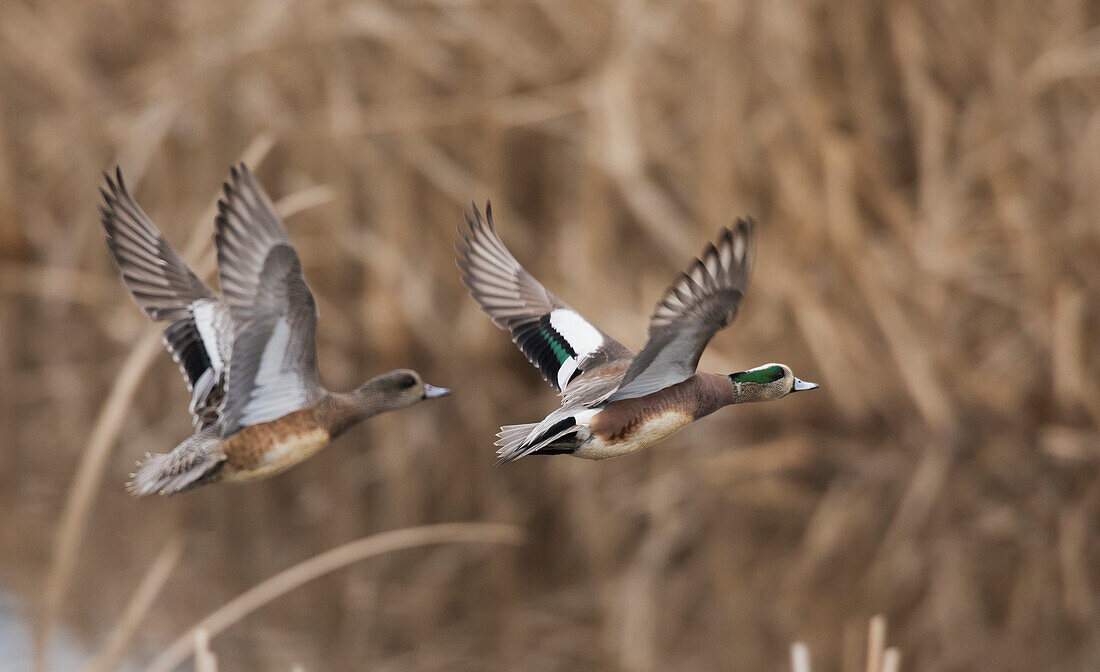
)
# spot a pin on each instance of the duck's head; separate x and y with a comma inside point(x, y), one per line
point(398, 388)
point(767, 382)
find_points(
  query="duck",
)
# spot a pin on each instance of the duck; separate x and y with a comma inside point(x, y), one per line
point(614, 402)
point(248, 355)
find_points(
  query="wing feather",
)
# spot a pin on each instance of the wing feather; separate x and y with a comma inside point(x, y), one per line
point(554, 337)
point(158, 279)
point(198, 334)
point(273, 369)
point(702, 301)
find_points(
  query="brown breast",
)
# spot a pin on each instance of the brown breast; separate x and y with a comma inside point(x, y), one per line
point(700, 395)
point(246, 450)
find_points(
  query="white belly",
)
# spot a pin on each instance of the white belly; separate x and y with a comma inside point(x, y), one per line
point(645, 434)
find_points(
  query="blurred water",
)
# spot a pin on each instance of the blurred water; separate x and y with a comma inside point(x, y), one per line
point(15, 642)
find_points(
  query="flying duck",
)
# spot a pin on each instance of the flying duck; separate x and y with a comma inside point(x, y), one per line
point(612, 401)
point(248, 357)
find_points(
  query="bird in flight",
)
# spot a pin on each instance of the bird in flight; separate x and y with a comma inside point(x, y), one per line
point(614, 402)
point(249, 356)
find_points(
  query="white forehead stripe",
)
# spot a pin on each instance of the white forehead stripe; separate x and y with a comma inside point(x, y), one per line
point(581, 336)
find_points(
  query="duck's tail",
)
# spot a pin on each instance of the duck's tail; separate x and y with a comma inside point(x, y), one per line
point(510, 441)
point(516, 441)
point(190, 464)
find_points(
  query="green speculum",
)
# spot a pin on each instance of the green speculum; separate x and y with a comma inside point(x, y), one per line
point(559, 350)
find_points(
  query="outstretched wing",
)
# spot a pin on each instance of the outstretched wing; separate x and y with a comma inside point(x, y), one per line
point(199, 331)
point(273, 370)
point(553, 336)
point(703, 300)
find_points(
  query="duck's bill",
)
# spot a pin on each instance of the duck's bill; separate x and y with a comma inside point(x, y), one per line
point(801, 385)
point(431, 391)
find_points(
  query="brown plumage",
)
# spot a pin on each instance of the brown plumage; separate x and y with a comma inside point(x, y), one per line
point(698, 396)
point(249, 357)
point(614, 402)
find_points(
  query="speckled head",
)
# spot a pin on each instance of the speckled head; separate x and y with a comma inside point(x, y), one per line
point(767, 382)
point(397, 389)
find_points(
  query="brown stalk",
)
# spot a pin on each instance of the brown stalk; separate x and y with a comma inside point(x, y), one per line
point(317, 566)
point(142, 600)
point(108, 424)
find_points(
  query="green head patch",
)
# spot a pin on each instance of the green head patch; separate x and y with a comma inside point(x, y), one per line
point(768, 374)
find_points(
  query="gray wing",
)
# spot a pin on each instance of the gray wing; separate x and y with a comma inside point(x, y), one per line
point(273, 369)
point(554, 337)
point(199, 334)
point(596, 385)
point(703, 300)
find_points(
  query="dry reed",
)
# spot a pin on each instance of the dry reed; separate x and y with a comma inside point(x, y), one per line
point(924, 175)
point(103, 434)
point(879, 657)
point(317, 566)
point(138, 607)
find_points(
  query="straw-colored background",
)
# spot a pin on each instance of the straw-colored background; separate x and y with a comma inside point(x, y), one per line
point(925, 175)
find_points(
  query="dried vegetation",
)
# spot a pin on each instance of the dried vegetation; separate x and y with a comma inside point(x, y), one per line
point(925, 174)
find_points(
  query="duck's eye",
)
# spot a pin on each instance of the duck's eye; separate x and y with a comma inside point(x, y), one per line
point(405, 382)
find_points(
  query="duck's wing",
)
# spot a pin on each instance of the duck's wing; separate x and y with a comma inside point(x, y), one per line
point(553, 336)
point(596, 385)
point(273, 368)
point(199, 334)
point(703, 300)
point(158, 279)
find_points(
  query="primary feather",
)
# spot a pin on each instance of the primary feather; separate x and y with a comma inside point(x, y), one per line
point(702, 301)
point(199, 333)
point(274, 357)
point(554, 337)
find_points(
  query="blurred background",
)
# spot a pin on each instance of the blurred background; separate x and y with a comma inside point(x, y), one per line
point(925, 178)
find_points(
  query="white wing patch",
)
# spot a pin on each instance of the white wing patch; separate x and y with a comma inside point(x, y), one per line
point(277, 389)
point(581, 336)
point(205, 313)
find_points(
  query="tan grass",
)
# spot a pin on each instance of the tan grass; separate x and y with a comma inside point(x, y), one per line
point(924, 177)
point(107, 426)
point(879, 658)
point(195, 640)
point(136, 610)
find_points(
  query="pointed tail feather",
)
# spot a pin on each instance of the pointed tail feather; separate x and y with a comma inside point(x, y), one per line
point(510, 442)
point(189, 465)
point(516, 441)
